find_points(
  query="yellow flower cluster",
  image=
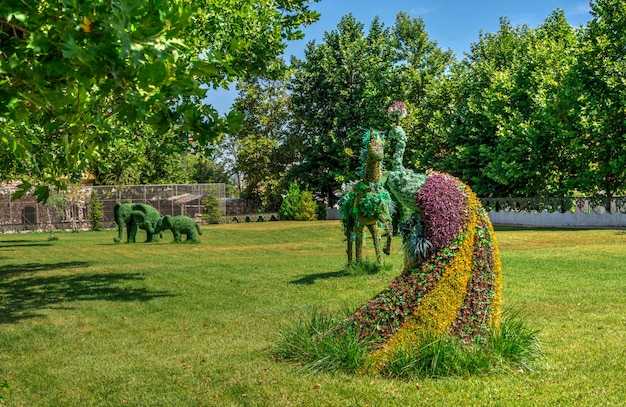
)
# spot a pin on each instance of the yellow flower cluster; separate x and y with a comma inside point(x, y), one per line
point(438, 310)
point(496, 301)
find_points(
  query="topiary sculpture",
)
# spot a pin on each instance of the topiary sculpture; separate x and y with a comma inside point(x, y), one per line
point(180, 225)
point(451, 279)
point(136, 216)
point(367, 202)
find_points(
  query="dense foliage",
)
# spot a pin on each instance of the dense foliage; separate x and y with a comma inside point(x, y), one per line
point(265, 142)
point(211, 202)
point(346, 83)
point(96, 211)
point(528, 111)
point(298, 205)
point(77, 76)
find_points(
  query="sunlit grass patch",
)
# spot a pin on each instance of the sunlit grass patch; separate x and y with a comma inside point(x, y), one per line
point(87, 322)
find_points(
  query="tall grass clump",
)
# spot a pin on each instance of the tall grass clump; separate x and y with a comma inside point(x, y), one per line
point(365, 267)
point(319, 346)
point(511, 346)
point(515, 343)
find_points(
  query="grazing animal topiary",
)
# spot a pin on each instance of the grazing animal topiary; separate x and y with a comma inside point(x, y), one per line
point(136, 216)
point(180, 225)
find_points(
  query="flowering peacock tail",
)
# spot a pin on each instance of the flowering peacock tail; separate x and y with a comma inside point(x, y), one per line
point(451, 279)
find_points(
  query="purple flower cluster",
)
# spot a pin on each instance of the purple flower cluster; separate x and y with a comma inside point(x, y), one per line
point(397, 110)
point(442, 205)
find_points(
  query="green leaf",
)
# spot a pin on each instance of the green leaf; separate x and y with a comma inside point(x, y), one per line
point(19, 16)
point(42, 192)
point(39, 43)
point(23, 188)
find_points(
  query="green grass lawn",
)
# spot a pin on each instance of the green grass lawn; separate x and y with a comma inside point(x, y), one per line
point(86, 322)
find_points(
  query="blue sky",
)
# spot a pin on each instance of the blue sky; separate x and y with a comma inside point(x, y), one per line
point(454, 24)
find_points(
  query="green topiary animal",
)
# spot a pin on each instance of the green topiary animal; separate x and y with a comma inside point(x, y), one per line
point(367, 203)
point(180, 225)
point(136, 216)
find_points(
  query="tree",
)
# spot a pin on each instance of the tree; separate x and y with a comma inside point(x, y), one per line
point(336, 92)
point(345, 86)
point(307, 207)
point(265, 149)
point(289, 206)
point(137, 158)
point(73, 74)
point(600, 102)
point(207, 170)
point(211, 202)
point(96, 211)
point(506, 132)
point(421, 65)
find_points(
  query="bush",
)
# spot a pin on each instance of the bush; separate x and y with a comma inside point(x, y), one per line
point(307, 207)
point(298, 205)
point(289, 206)
point(212, 208)
point(96, 212)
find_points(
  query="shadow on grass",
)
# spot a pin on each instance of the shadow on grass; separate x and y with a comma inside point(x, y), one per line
point(24, 296)
point(310, 279)
point(14, 269)
point(16, 241)
point(8, 244)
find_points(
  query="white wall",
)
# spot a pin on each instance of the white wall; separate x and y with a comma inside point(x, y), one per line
point(556, 219)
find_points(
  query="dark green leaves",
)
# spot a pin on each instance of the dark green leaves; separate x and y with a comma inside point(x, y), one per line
point(72, 74)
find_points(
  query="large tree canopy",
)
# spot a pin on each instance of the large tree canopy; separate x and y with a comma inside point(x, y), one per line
point(345, 85)
point(73, 73)
point(505, 133)
point(527, 112)
point(599, 109)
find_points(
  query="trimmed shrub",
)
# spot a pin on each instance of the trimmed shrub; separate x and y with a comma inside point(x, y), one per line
point(212, 208)
point(289, 206)
point(96, 212)
point(307, 207)
point(298, 205)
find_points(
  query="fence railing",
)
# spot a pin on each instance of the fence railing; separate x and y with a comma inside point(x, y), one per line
point(596, 204)
point(26, 214)
point(576, 212)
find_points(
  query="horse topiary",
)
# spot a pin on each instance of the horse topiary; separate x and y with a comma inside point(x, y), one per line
point(367, 203)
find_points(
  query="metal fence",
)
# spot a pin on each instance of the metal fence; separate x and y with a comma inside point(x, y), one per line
point(26, 214)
